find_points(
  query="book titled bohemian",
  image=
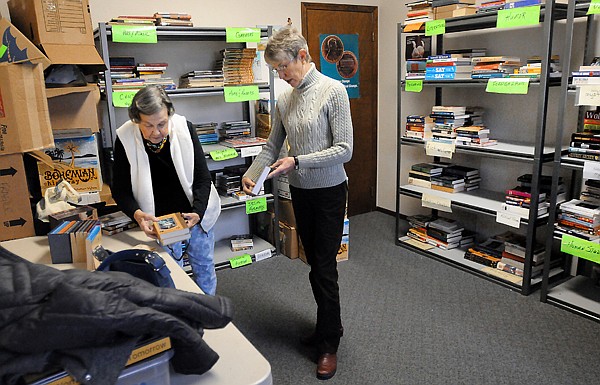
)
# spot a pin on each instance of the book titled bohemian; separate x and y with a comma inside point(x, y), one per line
point(171, 228)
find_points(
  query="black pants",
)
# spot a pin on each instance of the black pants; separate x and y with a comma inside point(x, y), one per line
point(320, 219)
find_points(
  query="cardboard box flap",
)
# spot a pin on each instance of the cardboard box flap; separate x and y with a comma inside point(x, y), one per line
point(53, 92)
point(19, 49)
point(73, 108)
point(85, 56)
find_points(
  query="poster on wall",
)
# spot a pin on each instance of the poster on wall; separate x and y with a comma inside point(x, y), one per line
point(339, 60)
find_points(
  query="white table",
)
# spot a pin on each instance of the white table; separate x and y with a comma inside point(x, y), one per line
point(239, 363)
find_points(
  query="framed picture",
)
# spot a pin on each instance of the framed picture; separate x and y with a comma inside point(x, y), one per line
point(417, 47)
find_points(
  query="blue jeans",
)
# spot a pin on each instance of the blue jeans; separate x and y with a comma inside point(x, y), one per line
point(200, 252)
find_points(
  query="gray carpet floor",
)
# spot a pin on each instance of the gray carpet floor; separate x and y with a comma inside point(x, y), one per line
point(409, 319)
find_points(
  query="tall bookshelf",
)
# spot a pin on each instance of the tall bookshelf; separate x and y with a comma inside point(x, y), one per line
point(186, 49)
point(478, 209)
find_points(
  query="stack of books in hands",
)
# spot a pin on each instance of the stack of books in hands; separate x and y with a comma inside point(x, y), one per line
point(241, 242)
point(171, 228)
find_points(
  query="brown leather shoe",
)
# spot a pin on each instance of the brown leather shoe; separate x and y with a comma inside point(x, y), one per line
point(326, 366)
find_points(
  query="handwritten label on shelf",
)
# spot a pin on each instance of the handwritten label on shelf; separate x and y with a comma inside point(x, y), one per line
point(250, 151)
point(219, 155)
point(435, 27)
point(262, 255)
point(122, 98)
point(256, 205)
point(444, 150)
point(518, 17)
point(436, 202)
point(591, 170)
point(516, 86)
point(413, 85)
point(594, 8)
point(580, 248)
point(509, 219)
point(242, 35)
point(134, 34)
point(235, 94)
point(587, 95)
point(240, 261)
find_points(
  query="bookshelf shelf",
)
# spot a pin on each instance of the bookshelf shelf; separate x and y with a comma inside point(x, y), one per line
point(183, 33)
point(579, 295)
point(223, 253)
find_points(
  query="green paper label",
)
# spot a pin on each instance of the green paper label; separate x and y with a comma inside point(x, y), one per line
point(508, 86)
point(242, 35)
point(413, 85)
point(123, 98)
point(580, 248)
point(134, 34)
point(594, 8)
point(219, 155)
point(518, 17)
point(256, 205)
point(240, 261)
point(241, 93)
point(435, 27)
point(3, 49)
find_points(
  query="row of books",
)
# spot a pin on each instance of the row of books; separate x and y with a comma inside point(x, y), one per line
point(587, 74)
point(518, 198)
point(444, 233)
point(202, 78)
point(179, 19)
point(444, 177)
point(586, 144)
point(72, 241)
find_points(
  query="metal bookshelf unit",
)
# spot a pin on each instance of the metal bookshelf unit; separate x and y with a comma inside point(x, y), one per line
point(187, 49)
point(529, 156)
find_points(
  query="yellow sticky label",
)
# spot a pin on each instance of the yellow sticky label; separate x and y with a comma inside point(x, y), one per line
point(256, 205)
point(594, 8)
point(435, 27)
point(134, 34)
point(3, 49)
point(242, 35)
point(219, 155)
point(123, 98)
point(414, 85)
point(518, 86)
point(518, 17)
point(240, 261)
point(580, 248)
point(235, 94)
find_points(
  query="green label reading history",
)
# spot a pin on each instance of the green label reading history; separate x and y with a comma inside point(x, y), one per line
point(435, 27)
point(256, 205)
point(414, 85)
point(240, 261)
point(123, 98)
point(242, 35)
point(219, 155)
point(580, 248)
point(518, 17)
point(517, 86)
point(134, 34)
point(594, 8)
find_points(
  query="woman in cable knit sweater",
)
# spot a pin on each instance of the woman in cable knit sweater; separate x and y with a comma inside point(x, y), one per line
point(314, 117)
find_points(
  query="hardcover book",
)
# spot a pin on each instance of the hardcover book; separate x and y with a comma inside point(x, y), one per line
point(171, 228)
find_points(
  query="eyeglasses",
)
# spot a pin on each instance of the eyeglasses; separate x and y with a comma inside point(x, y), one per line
point(281, 68)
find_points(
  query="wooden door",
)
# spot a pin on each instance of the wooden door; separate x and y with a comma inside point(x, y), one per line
point(335, 19)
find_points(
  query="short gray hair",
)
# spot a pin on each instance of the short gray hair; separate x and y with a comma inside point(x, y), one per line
point(285, 44)
point(148, 101)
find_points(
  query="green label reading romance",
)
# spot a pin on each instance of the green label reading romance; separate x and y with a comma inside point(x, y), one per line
point(134, 34)
point(241, 93)
point(518, 86)
point(518, 17)
point(228, 153)
point(123, 98)
point(435, 27)
point(242, 35)
point(256, 205)
point(240, 261)
point(580, 248)
point(414, 85)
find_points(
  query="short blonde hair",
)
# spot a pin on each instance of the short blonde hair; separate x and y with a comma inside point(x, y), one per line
point(285, 44)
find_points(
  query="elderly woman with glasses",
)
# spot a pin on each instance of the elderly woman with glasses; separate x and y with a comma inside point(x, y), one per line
point(159, 168)
point(314, 116)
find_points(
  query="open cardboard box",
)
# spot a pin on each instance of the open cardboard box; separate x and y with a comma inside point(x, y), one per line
point(74, 107)
point(19, 48)
point(16, 216)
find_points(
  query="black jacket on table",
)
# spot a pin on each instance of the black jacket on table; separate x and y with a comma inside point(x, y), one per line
point(88, 322)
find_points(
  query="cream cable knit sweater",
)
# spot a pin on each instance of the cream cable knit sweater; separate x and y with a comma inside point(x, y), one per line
point(315, 118)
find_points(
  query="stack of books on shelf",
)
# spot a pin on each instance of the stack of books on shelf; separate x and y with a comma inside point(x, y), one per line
point(591, 193)
point(421, 174)
point(490, 6)
point(173, 19)
point(415, 69)
point(586, 145)
point(533, 68)
point(241, 242)
point(153, 74)
point(201, 79)
point(171, 228)
point(242, 142)
point(487, 67)
point(444, 233)
point(446, 9)
point(236, 64)
point(513, 255)
point(445, 120)
point(419, 11)
point(446, 67)
point(476, 136)
point(579, 218)
point(131, 84)
point(487, 253)
point(116, 222)
point(545, 185)
point(591, 121)
point(587, 74)
point(418, 126)
point(133, 20)
point(234, 129)
point(228, 183)
point(466, 52)
point(518, 201)
point(207, 132)
point(456, 178)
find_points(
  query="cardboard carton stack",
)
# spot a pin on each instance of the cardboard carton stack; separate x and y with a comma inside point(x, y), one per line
point(446, 9)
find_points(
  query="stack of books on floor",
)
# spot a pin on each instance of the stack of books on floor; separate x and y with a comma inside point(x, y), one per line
point(518, 201)
point(513, 255)
point(533, 68)
point(236, 64)
point(116, 222)
point(207, 132)
point(446, 119)
point(446, 67)
point(487, 67)
point(201, 79)
point(584, 145)
point(234, 129)
point(418, 126)
point(456, 178)
point(587, 74)
point(173, 19)
point(580, 219)
point(171, 228)
point(421, 174)
point(241, 242)
point(444, 233)
point(488, 253)
point(419, 11)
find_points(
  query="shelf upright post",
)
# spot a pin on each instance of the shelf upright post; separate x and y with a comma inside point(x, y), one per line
point(398, 131)
point(539, 143)
point(108, 133)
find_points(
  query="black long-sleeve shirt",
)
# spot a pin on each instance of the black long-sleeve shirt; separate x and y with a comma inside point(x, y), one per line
point(169, 196)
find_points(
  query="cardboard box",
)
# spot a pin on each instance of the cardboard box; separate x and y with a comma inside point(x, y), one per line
point(454, 10)
point(24, 119)
point(63, 29)
point(74, 107)
point(288, 237)
point(19, 48)
point(286, 212)
point(16, 217)
point(342, 254)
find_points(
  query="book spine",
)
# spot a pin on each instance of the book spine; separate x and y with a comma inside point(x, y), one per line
point(437, 70)
point(440, 76)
